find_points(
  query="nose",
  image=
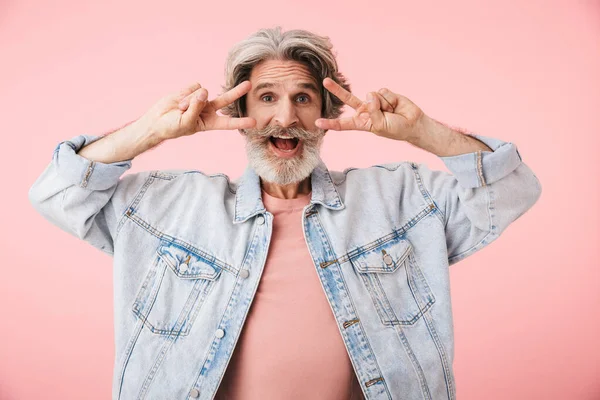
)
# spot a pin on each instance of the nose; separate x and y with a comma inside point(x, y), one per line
point(285, 114)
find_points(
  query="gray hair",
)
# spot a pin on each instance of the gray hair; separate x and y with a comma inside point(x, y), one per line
point(305, 47)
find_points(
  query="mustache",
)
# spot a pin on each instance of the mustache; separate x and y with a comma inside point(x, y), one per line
point(295, 132)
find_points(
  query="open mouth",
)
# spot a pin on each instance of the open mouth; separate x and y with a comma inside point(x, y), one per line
point(285, 148)
point(284, 145)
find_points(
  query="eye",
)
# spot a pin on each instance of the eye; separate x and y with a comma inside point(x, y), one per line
point(304, 96)
point(266, 96)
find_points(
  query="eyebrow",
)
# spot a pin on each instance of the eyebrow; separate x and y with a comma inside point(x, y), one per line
point(304, 85)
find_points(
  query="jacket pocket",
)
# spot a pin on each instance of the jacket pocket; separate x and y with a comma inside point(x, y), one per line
point(395, 282)
point(174, 290)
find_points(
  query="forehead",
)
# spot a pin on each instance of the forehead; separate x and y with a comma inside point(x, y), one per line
point(281, 73)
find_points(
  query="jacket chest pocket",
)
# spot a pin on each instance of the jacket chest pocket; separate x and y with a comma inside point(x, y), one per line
point(174, 290)
point(395, 283)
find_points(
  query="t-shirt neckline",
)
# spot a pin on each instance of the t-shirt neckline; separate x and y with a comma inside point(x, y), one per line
point(276, 203)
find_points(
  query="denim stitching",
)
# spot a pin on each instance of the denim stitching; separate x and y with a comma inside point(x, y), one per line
point(133, 204)
point(480, 169)
point(87, 175)
point(396, 233)
point(161, 235)
point(429, 323)
point(484, 240)
point(414, 362)
point(327, 245)
point(250, 253)
point(426, 195)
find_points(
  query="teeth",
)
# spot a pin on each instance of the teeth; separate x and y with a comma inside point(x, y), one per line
point(284, 137)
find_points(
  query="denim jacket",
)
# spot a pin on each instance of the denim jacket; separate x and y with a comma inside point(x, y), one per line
point(189, 250)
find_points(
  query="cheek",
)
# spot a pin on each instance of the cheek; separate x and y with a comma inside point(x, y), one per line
point(261, 116)
point(308, 119)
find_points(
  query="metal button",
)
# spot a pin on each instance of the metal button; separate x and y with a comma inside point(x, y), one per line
point(220, 333)
point(260, 219)
point(388, 259)
point(183, 267)
point(195, 393)
point(244, 273)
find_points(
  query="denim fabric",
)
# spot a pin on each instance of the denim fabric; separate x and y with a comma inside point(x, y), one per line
point(189, 249)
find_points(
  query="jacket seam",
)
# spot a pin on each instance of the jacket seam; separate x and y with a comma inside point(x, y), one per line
point(132, 204)
point(491, 227)
point(384, 166)
point(427, 195)
point(491, 234)
point(327, 243)
point(172, 175)
point(396, 233)
point(210, 258)
point(480, 169)
point(345, 172)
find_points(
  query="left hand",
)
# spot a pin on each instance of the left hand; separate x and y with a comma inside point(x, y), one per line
point(385, 114)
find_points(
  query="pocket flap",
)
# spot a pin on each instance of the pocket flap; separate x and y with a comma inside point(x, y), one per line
point(385, 258)
point(186, 264)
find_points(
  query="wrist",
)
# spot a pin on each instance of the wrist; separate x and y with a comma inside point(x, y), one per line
point(444, 141)
point(424, 132)
point(144, 135)
point(123, 144)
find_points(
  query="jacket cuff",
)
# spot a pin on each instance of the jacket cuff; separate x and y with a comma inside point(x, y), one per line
point(80, 171)
point(482, 168)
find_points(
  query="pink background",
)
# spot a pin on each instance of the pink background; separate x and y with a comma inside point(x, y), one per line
point(526, 309)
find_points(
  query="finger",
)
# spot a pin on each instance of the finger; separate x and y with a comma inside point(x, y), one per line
point(385, 104)
point(341, 93)
point(184, 103)
point(189, 90)
point(197, 103)
point(374, 107)
point(231, 95)
point(337, 124)
point(228, 123)
point(389, 96)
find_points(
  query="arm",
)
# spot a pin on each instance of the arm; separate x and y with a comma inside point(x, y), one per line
point(84, 197)
point(484, 193)
point(123, 144)
point(444, 141)
point(81, 191)
point(488, 188)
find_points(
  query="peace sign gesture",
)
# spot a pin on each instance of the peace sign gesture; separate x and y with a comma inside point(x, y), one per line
point(190, 111)
point(385, 113)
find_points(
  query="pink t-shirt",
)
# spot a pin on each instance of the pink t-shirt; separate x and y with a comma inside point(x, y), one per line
point(290, 346)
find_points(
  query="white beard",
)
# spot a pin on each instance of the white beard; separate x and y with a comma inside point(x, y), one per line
point(283, 171)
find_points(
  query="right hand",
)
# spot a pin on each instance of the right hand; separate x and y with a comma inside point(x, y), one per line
point(190, 111)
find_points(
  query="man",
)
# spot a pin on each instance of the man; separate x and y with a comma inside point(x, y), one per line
point(339, 279)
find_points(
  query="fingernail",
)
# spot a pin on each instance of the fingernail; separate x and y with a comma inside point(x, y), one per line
point(369, 97)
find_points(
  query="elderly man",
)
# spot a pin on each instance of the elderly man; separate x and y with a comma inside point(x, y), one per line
point(293, 282)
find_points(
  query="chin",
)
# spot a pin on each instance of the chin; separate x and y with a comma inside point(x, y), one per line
point(282, 170)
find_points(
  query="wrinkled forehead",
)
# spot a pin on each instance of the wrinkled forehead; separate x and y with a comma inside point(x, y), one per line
point(277, 73)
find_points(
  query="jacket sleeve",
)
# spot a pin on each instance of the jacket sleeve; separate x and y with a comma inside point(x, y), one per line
point(483, 194)
point(85, 198)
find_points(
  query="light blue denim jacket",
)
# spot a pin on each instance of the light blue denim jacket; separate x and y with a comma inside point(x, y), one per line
point(189, 250)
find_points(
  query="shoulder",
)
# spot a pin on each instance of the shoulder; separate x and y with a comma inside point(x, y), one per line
point(377, 172)
point(178, 178)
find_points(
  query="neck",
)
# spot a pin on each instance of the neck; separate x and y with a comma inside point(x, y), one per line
point(291, 191)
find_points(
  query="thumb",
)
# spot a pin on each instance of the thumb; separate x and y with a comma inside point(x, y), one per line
point(374, 108)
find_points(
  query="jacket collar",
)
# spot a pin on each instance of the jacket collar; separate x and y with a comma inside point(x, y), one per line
point(248, 200)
